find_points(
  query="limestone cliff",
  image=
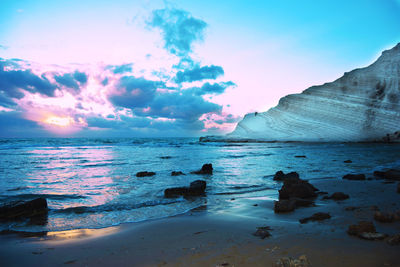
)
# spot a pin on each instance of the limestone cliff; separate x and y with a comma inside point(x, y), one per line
point(362, 105)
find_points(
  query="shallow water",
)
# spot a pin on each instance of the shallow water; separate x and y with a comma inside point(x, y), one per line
point(91, 183)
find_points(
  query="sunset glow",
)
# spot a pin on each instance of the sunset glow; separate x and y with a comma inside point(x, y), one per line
point(59, 121)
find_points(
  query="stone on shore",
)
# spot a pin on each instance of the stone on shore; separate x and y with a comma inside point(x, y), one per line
point(354, 177)
point(289, 262)
point(145, 174)
point(263, 232)
point(394, 240)
point(390, 174)
point(288, 205)
point(205, 169)
point(24, 209)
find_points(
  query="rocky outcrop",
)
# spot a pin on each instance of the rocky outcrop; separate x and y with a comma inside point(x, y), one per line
point(205, 169)
point(24, 209)
point(196, 188)
point(145, 174)
point(362, 105)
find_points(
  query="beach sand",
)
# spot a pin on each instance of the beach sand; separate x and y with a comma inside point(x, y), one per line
point(225, 237)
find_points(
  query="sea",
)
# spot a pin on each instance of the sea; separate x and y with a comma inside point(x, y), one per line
point(92, 183)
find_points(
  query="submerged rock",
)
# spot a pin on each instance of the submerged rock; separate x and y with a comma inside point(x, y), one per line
point(196, 188)
point(281, 176)
point(337, 196)
point(145, 174)
point(297, 188)
point(354, 177)
point(319, 216)
point(174, 173)
point(348, 161)
point(263, 232)
point(205, 169)
point(24, 209)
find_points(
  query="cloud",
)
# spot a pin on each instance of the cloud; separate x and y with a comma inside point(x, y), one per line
point(72, 80)
point(178, 105)
point(199, 73)
point(120, 69)
point(13, 124)
point(4, 47)
point(13, 80)
point(179, 29)
point(215, 88)
point(134, 92)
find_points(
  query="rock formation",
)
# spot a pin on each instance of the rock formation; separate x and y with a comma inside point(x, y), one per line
point(362, 105)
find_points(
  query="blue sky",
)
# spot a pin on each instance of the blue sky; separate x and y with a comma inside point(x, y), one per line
point(174, 68)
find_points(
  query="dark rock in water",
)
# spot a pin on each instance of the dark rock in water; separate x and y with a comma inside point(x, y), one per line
point(205, 169)
point(174, 173)
point(300, 202)
point(319, 216)
point(391, 174)
point(351, 208)
point(196, 188)
point(281, 176)
point(24, 209)
point(165, 157)
point(300, 156)
point(284, 205)
point(354, 177)
point(337, 196)
point(379, 174)
point(348, 161)
point(293, 188)
point(384, 217)
point(263, 232)
point(394, 240)
point(361, 227)
point(145, 174)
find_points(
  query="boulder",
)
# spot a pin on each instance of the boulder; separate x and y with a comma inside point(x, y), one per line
point(281, 176)
point(319, 216)
point(174, 173)
point(348, 161)
point(337, 196)
point(145, 174)
point(390, 174)
point(24, 209)
point(205, 169)
point(354, 177)
point(196, 188)
point(297, 188)
point(361, 227)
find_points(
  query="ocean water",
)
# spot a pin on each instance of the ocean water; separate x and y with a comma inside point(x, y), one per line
point(91, 183)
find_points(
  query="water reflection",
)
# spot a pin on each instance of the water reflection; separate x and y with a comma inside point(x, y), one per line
point(73, 171)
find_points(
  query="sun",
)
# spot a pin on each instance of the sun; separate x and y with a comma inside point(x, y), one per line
point(59, 121)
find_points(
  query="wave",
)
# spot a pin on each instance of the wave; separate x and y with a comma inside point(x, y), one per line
point(116, 206)
point(47, 196)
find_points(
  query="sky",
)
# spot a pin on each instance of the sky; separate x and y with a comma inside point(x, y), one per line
point(142, 68)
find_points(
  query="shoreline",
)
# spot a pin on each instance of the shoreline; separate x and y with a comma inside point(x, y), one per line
point(225, 237)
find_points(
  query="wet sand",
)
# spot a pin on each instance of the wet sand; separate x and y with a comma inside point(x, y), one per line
point(225, 237)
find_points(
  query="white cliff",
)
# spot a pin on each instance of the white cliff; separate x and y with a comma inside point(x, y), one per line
point(362, 105)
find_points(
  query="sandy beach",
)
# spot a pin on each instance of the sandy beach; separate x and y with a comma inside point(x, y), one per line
point(225, 237)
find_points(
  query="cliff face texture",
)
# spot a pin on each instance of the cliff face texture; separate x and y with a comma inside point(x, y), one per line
point(363, 105)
